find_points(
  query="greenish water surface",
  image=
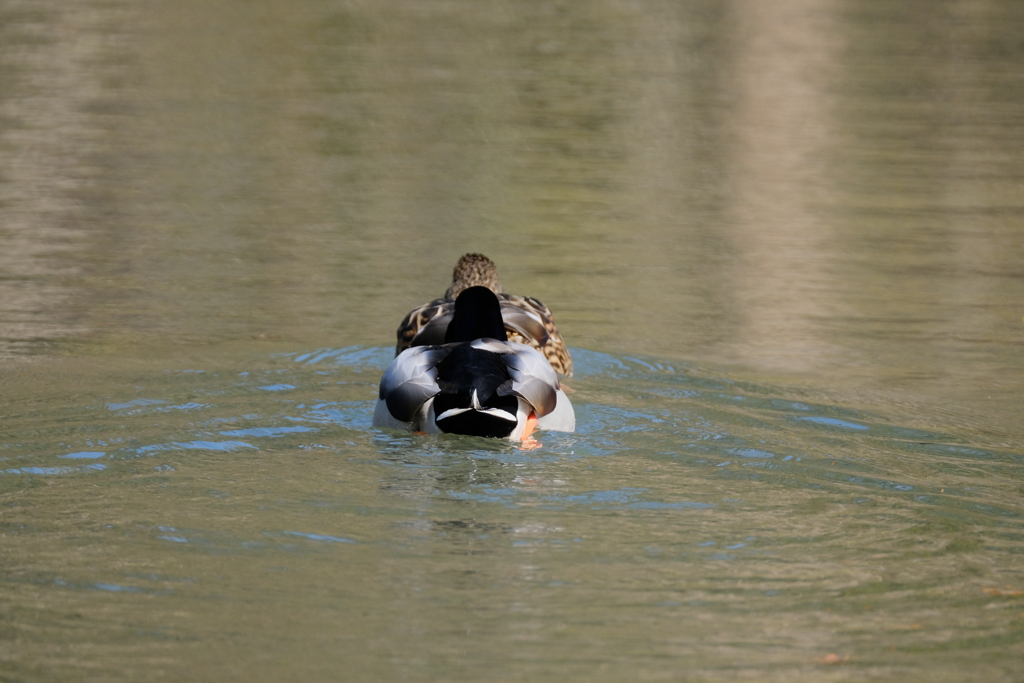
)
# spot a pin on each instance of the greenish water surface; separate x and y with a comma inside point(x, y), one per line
point(784, 241)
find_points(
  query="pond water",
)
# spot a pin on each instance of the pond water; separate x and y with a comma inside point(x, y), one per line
point(784, 241)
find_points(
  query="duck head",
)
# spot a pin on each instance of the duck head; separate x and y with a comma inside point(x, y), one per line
point(474, 270)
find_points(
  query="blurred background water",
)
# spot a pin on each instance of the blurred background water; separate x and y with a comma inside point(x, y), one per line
point(784, 240)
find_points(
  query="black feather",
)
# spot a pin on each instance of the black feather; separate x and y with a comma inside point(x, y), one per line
point(477, 315)
point(466, 370)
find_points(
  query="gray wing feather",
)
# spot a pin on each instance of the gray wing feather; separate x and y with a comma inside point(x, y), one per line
point(410, 380)
point(433, 332)
point(532, 376)
point(524, 322)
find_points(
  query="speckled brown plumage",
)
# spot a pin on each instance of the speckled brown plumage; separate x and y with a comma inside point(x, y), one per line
point(473, 270)
point(527, 320)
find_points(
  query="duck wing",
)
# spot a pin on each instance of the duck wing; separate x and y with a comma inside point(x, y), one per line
point(431, 333)
point(418, 318)
point(534, 380)
point(536, 325)
point(410, 380)
point(530, 375)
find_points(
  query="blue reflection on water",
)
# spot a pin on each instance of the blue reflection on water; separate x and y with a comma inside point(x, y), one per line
point(277, 387)
point(136, 403)
point(174, 539)
point(48, 471)
point(196, 445)
point(269, 431)
point(319, 537)
point(115, 588)
point(833, 422)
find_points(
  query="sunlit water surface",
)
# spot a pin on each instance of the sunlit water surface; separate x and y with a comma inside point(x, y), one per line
point(784, 240)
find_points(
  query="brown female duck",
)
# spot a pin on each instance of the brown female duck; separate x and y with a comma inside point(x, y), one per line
point(526, 319)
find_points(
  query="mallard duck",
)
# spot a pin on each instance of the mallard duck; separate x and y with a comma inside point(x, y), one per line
point(477, 382)
point(527, 320)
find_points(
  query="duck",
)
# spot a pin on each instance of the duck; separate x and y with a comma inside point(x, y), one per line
point(477, 383)
point(527, 320)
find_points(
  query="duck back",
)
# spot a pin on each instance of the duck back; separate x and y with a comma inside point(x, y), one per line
point(469, 402)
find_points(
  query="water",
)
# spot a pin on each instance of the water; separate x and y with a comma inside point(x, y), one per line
point(242, 519)
point(784, 242)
